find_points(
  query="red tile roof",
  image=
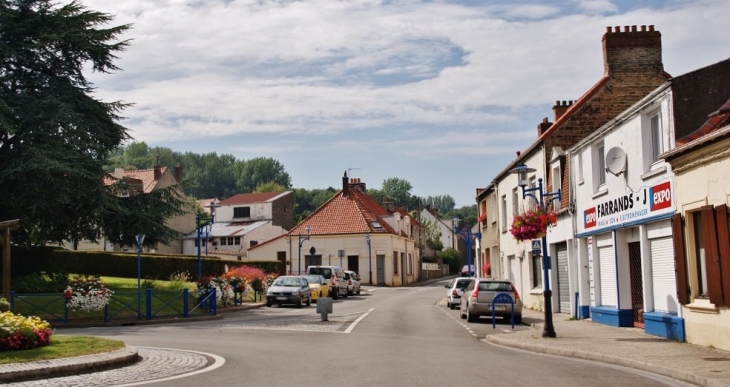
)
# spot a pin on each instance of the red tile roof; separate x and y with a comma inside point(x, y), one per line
point(250, 198)
point(717, 120)
point(146, 176)
point(351, 214)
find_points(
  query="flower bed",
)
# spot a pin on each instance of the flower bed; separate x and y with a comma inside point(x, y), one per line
point(18, 332)
point(87, 293)
point(241, 280)
point(532, 224)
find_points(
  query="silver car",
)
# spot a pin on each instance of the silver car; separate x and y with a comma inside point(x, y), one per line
point(477, 300)
point(455, 290)
point(289, 290)
point(353, 282)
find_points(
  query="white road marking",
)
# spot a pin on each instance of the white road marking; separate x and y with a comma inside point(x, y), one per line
point(352, 326)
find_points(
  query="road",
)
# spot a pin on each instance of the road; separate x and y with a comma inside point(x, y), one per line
point(384, 337)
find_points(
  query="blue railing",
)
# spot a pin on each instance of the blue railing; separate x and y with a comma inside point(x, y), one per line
point(121, 306)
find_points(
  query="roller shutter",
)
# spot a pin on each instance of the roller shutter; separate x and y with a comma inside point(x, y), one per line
point(664, 279)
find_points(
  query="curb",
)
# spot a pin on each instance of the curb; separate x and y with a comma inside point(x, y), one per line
point(624, 362)
point(43, 369)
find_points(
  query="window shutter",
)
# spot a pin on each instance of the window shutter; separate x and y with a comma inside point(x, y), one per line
point(680, 263)
point(712, 257)
point(723, 241)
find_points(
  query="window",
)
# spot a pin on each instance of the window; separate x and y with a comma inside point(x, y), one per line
point(504, 213)
point(237, 241)
point(242, 212)
point(410, 264)
point(253, 243)
point(230, 241)
point(395, 262)
point(536, 271)
point(557, 183)
point(701, 265)
point(656, 137)
point(223, 241)
point(515, 201)
point(579, 159)
point(600, 166)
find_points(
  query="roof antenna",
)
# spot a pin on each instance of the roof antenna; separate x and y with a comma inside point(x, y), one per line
point(351, 169)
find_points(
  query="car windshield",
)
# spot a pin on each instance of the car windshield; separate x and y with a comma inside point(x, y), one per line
point(288, 281)
point(462, 284)
point(314, 279)
point(325, 272)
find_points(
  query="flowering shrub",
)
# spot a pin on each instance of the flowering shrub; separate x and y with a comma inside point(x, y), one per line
point(178, 280)
point(18, 332)
point(532, 224)
point(87, 293)
point(223, 290)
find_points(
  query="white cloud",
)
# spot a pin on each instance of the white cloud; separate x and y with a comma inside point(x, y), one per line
point(339, 69)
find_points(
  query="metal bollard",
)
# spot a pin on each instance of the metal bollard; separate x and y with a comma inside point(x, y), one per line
point(324, 306)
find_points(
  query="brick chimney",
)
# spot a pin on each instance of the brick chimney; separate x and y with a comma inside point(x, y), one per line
point(158, 168)
point(561, 107)
point(345, 186)
point(355, 183)
point(543, 126)
point(178, 173)
point(632, 51)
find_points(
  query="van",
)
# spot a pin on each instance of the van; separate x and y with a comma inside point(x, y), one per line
point(335, 277)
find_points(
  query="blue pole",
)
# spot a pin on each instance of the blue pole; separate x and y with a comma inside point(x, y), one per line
point(139, 276)
point(468, 252)
point(197, 227)
point(300, 256)
point(549, 329)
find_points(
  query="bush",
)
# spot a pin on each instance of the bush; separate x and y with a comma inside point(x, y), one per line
point(451, 257)
point(4, 305)
point(20, 332)
point(178, 280)
point(40, 283)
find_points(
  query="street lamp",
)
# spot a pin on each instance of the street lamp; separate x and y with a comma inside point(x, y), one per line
point(370, 257)
point(522, 170)
point(470, 238)
point(140, 240)
point(199, 224)
point(308, 229)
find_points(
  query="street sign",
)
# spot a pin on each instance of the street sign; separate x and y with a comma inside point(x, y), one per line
point(312, 250)
point(536, 247)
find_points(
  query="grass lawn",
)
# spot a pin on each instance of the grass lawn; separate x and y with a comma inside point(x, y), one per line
point(62, 346)
point(166, 301)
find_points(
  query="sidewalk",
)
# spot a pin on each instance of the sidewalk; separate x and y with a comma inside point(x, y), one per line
point(628, 347)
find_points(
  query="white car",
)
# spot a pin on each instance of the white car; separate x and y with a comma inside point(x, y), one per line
point(456, 290)
point(353, 282)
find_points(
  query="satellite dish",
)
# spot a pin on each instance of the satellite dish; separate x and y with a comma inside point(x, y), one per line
point(616, 161)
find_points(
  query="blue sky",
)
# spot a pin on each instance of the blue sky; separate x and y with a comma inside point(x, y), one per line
point(439, 93)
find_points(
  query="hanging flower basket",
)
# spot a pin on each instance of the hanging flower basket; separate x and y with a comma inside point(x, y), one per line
point(87, 293)
point(532, 224)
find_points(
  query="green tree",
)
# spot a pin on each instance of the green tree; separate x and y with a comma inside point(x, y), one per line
point(249, 174)
point(270, 187)
point(452, 258)
point(54, 135)
point(398, 191)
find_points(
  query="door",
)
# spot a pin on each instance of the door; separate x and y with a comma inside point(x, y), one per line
point(353, 263)
point(312, 260)
point(637, 284)
point(380, 268)
point(281, 257)
point(563, 282)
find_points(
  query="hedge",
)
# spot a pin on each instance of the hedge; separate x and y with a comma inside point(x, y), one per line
point(120, 264)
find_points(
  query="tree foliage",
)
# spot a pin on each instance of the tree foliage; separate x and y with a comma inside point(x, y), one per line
point(54, 135)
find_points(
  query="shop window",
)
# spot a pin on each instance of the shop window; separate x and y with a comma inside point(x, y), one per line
point(536, 271)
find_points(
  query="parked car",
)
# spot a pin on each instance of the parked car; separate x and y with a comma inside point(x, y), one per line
point(289, 289)
point(456, 289)
point(318, 285)
point(477, 300)
point(467, 271)
point(335, 277)
point(353, 282)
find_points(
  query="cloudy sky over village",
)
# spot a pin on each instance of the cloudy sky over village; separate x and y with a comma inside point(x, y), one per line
point(440, 93)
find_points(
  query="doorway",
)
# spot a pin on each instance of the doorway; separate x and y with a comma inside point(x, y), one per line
point(637, 284)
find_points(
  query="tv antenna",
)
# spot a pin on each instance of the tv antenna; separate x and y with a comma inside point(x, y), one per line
point(350, 170)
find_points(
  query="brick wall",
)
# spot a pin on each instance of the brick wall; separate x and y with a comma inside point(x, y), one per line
point(282, 211)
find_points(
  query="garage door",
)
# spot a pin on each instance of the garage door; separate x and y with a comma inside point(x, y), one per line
point(563, 281)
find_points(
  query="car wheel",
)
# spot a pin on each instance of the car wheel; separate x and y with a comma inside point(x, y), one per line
point(358, 291)
point(518, 319)
point(449, 304)
point(300, 303)
point(268, 304)
point(470, 317)
point(309, 301)
point(336, 294)
point(461, 314)
point(452, 306)
point(350, 292)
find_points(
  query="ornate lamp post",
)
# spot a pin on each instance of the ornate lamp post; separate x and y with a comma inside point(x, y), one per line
point(199, 223)
point(522, 170)
point(140, 240)
point(370, 257)
point(470, 238)
point(303, 238)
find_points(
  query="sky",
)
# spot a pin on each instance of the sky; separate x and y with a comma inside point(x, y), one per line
point(439, 93)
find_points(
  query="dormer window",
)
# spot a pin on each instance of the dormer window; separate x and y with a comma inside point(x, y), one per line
point(242, 212)
point(376, 224)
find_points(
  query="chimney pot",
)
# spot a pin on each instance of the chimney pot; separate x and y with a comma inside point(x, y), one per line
point(345, 185)
point(643, 28)
point(616, 29)
point(608, 30)
point(633, 28)
point(626, 28)
point(651, 28)
point(518, 153)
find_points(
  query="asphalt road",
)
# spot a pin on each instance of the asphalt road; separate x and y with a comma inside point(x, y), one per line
point(384, 337)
